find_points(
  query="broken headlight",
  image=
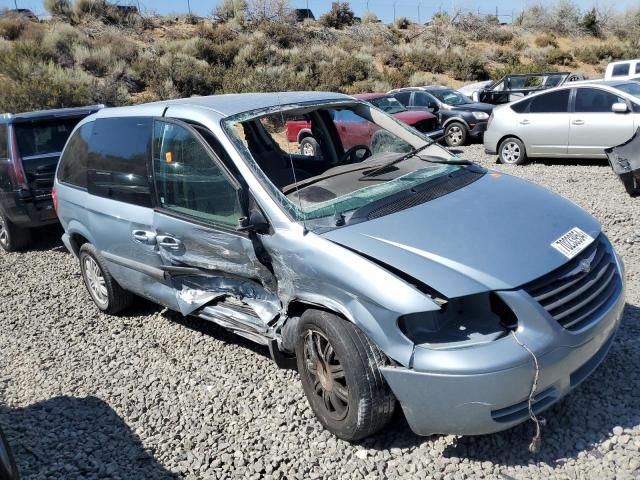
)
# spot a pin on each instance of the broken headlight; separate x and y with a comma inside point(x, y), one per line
point(461, 322)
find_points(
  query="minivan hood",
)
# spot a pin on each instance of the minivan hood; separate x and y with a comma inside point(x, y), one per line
point(493, 234)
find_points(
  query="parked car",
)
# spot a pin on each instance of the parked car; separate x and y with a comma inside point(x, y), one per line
point(356, 131)
point(469, 89)
point(358, 263)
point(513, 87)
point(622, 70)
point(462, 119)
point(30, 146)
point(578, 121)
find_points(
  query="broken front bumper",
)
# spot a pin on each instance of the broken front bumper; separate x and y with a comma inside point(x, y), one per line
point(485, 389)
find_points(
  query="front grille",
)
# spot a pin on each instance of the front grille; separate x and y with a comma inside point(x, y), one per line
point(520, 411)
point(575, 295)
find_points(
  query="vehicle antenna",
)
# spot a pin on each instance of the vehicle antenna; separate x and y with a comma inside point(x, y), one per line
point(293, 170)
point(536, 441)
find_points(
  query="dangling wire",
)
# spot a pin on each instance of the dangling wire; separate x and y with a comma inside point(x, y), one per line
point(293, 170)
point(534, 446)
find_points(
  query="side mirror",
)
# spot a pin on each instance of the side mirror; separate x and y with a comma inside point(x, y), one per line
point(255, 222)
point(619, 107)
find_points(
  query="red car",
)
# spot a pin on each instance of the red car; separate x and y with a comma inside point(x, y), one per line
point(354, 131)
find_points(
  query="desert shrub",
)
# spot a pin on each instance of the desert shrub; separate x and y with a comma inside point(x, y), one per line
point(519, 44)
point(515, 68)
point(546, 40)
point(591, 23)
point(402, 23)
point(369, 17)
point(60, 42)
point(504, 55)
point(427, 59)
point(499, 35)
point(90, 8)
point(557, 56)
point(468, 66)
point(284, 35)
point(11, 27)
point(594, 54)
point(339, 16)
point(231, 10)
point(563, 18)
point(217, 53)
point(121, 47)
point(61, 8)
point(97, 61)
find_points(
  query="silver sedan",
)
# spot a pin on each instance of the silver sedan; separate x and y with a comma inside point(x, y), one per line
point(576, 121)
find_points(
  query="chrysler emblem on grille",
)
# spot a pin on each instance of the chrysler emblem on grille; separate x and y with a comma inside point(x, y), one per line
point(585, 265)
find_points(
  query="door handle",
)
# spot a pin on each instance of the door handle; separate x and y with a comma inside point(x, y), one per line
point(143, 236)
point(524, 122)
point(577, 122)
point(169, 242)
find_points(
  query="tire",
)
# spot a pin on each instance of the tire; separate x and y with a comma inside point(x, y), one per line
point(355, 401)
point(512, 152)
point(309, 147)
point(12, 238)
point(455, 134)
point(105, 292)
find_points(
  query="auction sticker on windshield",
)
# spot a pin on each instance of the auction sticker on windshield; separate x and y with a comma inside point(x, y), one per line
point(572, 243)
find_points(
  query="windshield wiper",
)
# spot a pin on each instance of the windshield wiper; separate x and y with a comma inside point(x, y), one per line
point(413, 153)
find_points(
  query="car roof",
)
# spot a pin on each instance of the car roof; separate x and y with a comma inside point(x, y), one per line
point(232, 104)
point(612, 84)
point(49, 114)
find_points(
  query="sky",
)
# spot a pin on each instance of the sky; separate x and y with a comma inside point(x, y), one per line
point(383, 8)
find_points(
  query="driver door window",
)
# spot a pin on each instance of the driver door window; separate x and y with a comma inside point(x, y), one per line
point(189, 181)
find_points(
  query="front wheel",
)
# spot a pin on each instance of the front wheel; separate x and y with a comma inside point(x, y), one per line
point(455, 134)
point(339, 370)
point(512, 151)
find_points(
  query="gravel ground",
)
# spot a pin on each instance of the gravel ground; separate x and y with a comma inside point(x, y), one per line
point(153, 395)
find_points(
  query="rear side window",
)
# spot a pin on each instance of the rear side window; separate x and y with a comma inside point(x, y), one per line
point(403, 97)
point(552, 102)
point(73, 163)
point(594, 100)
point(3, 142)
point(621, 70)
point(119, 152)
point(421, 99)
point(638, 67)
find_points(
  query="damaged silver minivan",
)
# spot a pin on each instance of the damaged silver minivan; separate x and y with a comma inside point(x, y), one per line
point(387, 269)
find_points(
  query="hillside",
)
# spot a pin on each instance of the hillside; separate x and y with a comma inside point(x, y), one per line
point(76, 59)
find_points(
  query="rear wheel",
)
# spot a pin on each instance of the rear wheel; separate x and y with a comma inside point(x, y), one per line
point(455, 134)
point(512, 151)
point(109, 297)
point(339, 370)
point(12, 238)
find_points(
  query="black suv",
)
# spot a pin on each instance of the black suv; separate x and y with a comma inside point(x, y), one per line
point(30, 146)
point(461, 118)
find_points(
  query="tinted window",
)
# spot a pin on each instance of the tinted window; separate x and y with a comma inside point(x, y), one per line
point(638, 67)
point(118, 155)
point(593, 100)
point(43, 137)
point(552, 102)
point(73, 164)
point(421, 99)
point(403, 97)
point(3, 142)
point(621, 70)
point(188, 179)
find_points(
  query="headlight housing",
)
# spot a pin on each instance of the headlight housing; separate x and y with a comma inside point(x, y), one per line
point(461, 322)
point(480, 115)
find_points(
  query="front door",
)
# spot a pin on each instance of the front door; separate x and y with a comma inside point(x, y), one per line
point(594, 126)
point(196, 224)
point(544, 125)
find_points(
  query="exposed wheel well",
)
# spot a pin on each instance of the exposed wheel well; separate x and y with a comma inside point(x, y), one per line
point(77, 241)
point(304, 134)
point(504, 138)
